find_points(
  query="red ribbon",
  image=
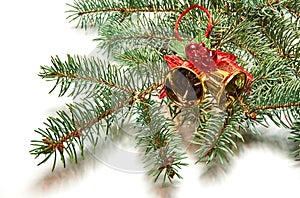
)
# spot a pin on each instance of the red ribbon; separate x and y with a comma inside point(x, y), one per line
point(200, 58)
point(209, 26)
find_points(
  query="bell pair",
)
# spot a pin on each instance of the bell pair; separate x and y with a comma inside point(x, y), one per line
point(187, 88)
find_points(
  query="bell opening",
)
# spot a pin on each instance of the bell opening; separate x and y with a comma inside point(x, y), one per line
point(184, 87)
point(225, 87)
point(235, 85)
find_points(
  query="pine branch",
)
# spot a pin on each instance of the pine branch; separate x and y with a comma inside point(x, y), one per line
point(293, 7)
point(277, 101)
point(141, 33)
point(95, 13)
point(263, 34)
point(87, 75)
point(283, 33)
point(295, 137)
point(217, 136)
point(157, 135)
point(62, 132)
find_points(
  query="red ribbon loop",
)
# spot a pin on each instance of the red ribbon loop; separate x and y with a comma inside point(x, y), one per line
point(209, 26)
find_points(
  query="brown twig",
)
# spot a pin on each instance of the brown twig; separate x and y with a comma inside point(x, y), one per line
point(276, 46)
point(245, 47)
point(221, 131)
point(148, 37)
point(278, 106)
point(127, 10)
point(53, 145)
point(270, 4)
point(295, 12)
point(60, 75)
point(166, 161)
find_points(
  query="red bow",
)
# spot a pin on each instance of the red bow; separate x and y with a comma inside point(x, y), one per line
point(201, 59)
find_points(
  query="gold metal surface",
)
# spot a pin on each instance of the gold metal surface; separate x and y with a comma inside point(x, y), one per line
point(184, 87)
point(225, 87)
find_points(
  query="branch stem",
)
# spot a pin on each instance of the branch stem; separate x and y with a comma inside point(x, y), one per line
point(218, 135)
point(276, 45)
point(249, 50)
point(77, 133)
point(102, 81)
point(166, 161)
point(278, 106)
point(148, 37)
point(295, 12)
point(128, 10)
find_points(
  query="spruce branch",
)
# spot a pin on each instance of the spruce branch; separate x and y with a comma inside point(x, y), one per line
point(277, 106)
point(264, 36)
point(62, 130)
point(96, 13)
point(293, 7)
point(87, 75)
point(277, 101)
point(229, 27)
point(238, 34)
point(137, 57)
point(217, 136)
point(56, 138)
point(282, 33)
point(251, 38)
point(270, 4)
point(295, 137)
point(157, 135)
point(128, 10)
point(270, 95)
point(142, 33)
point(65, 129)
point(248, 49)
point(270, 72)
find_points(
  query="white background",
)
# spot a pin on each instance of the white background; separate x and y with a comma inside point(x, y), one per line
point(32, 31)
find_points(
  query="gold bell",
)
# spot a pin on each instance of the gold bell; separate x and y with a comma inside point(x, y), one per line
point(225, 86)
point(184, 87)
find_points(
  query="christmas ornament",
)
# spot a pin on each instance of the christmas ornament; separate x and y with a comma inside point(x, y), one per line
point(204, 71)
point(112, 98)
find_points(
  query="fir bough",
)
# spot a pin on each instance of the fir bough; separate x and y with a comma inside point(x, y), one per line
point(264, 35)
